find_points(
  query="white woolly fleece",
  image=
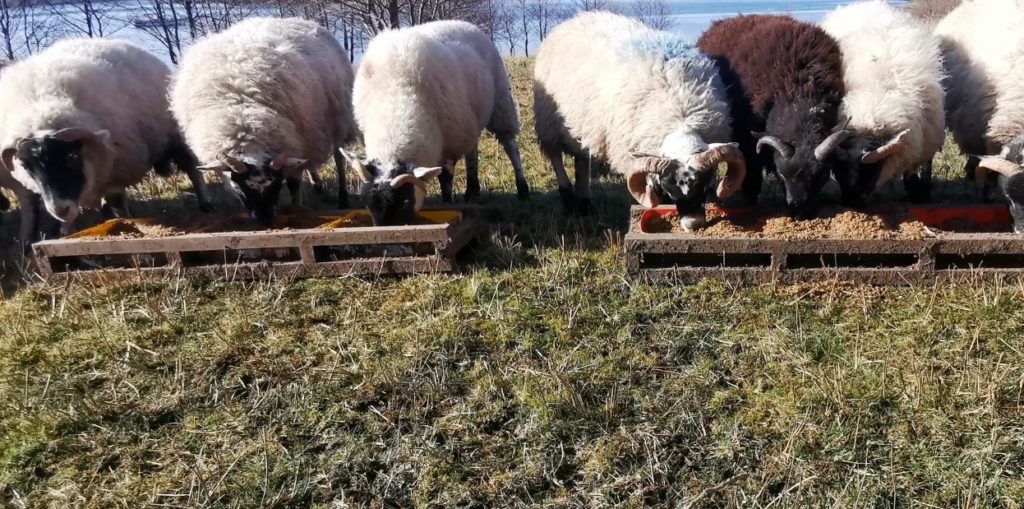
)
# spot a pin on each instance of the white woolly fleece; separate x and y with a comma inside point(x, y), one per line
point(423, 94)
point(892, 69)
point(983, 46)
point(617, 87)
point(262, 87)
point(93, 84)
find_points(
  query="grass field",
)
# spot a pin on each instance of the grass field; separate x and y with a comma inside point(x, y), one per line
point(539, 376)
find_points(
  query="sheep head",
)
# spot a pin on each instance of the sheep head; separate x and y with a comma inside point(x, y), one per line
point(55, 165)
point(393, 193)
point(687, 185)
point(257, 182)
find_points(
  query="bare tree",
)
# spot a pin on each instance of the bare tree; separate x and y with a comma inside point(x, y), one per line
point(375, 15)
point(159, 19)
point(545, 14)
point(596, 5)
point(89, 18)
point(653, 13)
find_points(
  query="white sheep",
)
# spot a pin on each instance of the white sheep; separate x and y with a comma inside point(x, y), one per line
point(82, 121)
point(422, 97)
point(608, 86)
point(263, 102)
point(984, 58)
point(892, 69)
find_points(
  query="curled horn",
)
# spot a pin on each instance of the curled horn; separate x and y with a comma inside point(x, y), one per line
point(895, 146)
point(780, 146)
point(419, 189)
point(731, 155)
point(831, 143)
point(636, 177)
point(997, 164)
point(733, 158)
point(234, 164)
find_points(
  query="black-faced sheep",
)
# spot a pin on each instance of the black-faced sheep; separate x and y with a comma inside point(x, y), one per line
point(650, 104)
point(422, 97)
point(82, 121)
point(263, 102)
point(785, 84)
point(984, 61)
point(892, 68)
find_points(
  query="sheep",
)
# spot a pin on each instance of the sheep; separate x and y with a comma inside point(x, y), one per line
point(984, 63)
point(642, 99)
point(263, 102)
point(892, 69)
point(422, 96)
point(82, 121)
point(785, 84)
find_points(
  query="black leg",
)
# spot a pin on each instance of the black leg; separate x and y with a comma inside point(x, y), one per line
point(472, 175)
point(295, 190)
point(445, 178)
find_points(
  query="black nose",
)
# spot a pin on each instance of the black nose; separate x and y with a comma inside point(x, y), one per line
point(62, 211)
point(802, 210)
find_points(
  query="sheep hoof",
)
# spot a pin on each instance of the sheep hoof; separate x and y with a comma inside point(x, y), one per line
point(522, 190)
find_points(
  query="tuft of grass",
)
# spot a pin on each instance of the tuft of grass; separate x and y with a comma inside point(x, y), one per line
point(539, 376)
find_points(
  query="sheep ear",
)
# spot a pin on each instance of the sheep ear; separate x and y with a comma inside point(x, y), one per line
point(424, 173)
point(362, 169)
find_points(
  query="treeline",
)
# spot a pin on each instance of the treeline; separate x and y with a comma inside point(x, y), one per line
point(516, 25)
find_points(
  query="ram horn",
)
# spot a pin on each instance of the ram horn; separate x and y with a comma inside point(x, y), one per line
point(822, 151)
point(419, 189)
point(896, 146)
point(730, 154)
point(636, 177)
point(997, 164)
point(783, 148)
point(233, 164)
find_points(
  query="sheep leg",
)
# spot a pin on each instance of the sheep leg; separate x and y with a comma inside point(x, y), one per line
point(564, 185)
point(339, 168)
point(30, 204)
point(4, 202)
point(318, 183)
point(508, 142)
point(186, 162)
point(918, 186)
point(473, 175)
point(446, 178)
point(582, 162)
point(295, 189)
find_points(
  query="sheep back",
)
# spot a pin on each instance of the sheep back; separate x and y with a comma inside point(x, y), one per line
point(614, 86)
point(423, 94)
point(892, 70)
point(93, 84)
point(264, 86)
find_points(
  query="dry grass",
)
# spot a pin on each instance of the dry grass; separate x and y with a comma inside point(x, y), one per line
point(538, 377)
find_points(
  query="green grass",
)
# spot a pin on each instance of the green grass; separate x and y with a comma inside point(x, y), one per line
point(539, 376)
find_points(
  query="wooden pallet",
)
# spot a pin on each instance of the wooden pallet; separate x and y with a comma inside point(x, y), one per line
point(301, 253)
point(684, 258)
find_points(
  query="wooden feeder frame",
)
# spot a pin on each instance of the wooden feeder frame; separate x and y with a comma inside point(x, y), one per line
point(687, 258)
point(312, 252)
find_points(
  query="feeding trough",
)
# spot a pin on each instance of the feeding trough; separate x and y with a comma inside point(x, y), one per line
point(889, 246)
point(311, 244)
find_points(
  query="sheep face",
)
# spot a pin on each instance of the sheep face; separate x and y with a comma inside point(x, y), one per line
point(1011, 180)
point(687, 188)
point(259, 188)
point(802, 152)
point(52, 168)
point(393, 193)
point(857, 179)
